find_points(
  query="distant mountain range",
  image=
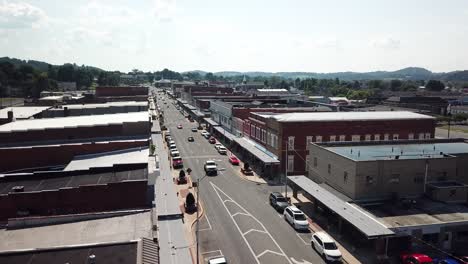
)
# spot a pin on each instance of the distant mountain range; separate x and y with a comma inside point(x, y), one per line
point(410, 73)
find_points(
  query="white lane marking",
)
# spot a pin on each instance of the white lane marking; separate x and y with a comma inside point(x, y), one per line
point(213, 251)
point(305, 242)
point(268, 251)
point(208, 221)
point(239, 213)
point(218, 190)
point(300, 262)
point(254, 230)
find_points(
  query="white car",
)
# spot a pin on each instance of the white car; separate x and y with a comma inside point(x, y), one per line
point(222, 150)
point(296, 218)
point(325, 246)
point(172, 147)
point(217, 145)
point(175, 153)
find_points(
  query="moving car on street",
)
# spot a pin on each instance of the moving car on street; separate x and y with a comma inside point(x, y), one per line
point(278, 201)
point(194, 129)
point(325, 246)
point(210, 168)
point(296, 218)
point(179, 126)
point(190, 139)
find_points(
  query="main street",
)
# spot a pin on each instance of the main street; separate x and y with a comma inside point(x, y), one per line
point(238, 221)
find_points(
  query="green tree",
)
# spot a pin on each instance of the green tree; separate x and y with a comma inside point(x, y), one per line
point(210, 76)
point(395, 85)
point(65, 73)
point(435, 85)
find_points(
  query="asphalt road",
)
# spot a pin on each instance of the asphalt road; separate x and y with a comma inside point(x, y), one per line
point(238, 223)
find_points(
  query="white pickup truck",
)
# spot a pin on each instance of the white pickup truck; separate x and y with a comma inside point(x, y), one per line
point(211, 168)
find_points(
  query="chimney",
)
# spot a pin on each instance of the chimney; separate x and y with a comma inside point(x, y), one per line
point(10, 116)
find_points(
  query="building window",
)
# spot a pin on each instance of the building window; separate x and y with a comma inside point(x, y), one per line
point(369, 180)
point(428, 135)
point(307, 163)
point(355, 138)
point(252, 131)
point(332, 138)
point(376, 137)
point(308, 141)
point(263, 135)
point(395, 136)
point(386, 137)
point(290, 163)
point(421, 135)
point(342, 137)
point(329, 168)
point(258, 134)
point(268, 138)
point(290, 143)
point(318, 139)
point(345, 177)
point(395, 178)
point(315, 162)
point(410, 136)
point(368, 137)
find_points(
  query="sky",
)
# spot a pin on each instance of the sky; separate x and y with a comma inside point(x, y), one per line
point(239, 35)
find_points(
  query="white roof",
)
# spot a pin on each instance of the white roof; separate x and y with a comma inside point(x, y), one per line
point(74, 121)
point(105, 105)
point(338, 98)
point(324, 237)
point(22, 112)
point(348, 116)
point(108, 159)
point(272, 90)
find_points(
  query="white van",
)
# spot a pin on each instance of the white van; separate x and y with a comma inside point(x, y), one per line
point(325, 246)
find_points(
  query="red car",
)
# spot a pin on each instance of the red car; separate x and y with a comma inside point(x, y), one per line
point(177, 162)
point(212, 140)
point(415, 258)
point(233, 160)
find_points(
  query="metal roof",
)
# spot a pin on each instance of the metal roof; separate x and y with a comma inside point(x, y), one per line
point(105, 105)
point(75, 121)
point(211, 122)
point(360, 219)
point(247, 145)
point(349, 116)
point(224, 132)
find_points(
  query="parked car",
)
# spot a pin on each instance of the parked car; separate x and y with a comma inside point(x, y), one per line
point(217, 145)
point(296, 218)
point(222, 150)
point(190, 139)
point(217, 260)
point(278, 201)
point(194, 129)
point(175, 153)
point(170, 142)
point(325, 246)
point(177, 162)
point(179, 126)
point(415, 258)
point(446, 261)
point(206, 135)
point(172, 147)
point(233, 160)
point(212, 140)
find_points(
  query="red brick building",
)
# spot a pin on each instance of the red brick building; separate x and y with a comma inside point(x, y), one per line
point(274, 131)
point(103, 91)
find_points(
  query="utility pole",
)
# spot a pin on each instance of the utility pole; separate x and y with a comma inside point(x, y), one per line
point(286, 171)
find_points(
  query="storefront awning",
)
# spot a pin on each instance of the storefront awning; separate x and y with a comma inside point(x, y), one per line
point(225, 133)
point(265, 158)
point(211, 122)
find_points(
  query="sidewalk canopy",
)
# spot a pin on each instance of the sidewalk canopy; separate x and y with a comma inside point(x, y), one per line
point(224, 132)
point(211, 122)
point(265, 158)
point(357, 217)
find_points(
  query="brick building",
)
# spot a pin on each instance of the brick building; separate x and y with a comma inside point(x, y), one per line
point(274, 131)
point(103, 91)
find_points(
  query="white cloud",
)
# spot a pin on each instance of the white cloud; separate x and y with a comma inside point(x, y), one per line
point(387, 43)
point(329, 42)
point(164, 10)
point(21, 15)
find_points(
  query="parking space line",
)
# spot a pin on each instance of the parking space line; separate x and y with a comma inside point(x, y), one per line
point(218, 191)
point(305, 242)
point(254, 230)
point(239, 213)
point(213, 251)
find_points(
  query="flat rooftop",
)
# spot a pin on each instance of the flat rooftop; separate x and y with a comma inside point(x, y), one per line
point(119, 228)
point(109, 159)
point(403, 151)
point(123, 253)
point(75, 121)
point(424, 212)
point(23, 112)
point(43, 181)
point(105, 105)
point(349, 116)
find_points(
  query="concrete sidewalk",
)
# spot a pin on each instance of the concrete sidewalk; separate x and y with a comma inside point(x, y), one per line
point(314, 227)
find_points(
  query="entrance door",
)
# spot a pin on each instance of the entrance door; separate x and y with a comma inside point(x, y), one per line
point(447, 243)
